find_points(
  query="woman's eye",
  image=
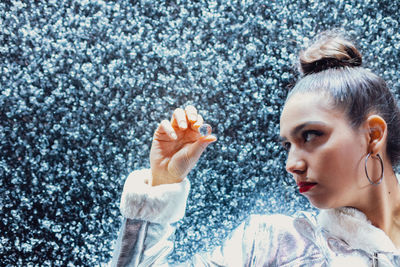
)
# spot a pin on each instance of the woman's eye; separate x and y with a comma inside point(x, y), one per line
point(310, 135)
point(286, 145)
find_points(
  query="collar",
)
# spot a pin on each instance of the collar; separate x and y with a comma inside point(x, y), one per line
point(353, 227)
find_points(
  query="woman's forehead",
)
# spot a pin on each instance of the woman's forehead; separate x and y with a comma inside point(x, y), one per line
point(301, 108)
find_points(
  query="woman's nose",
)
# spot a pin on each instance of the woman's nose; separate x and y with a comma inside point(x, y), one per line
point(295, 164)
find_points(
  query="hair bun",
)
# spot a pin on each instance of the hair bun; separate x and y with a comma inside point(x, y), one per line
point(329, 52)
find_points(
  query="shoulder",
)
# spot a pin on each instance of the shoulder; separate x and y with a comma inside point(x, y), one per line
point(286, 239)
point(280, 229)
point(283, 222)
point(277, 221)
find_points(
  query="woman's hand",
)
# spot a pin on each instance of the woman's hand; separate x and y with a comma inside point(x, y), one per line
point(177, 146)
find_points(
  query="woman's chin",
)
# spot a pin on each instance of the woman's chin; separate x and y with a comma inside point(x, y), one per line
point(320, 204)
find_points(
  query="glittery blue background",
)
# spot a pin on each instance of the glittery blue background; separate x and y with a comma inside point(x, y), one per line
point(84, 84)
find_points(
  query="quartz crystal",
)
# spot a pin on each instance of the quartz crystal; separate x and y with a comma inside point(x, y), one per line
point(205, 129)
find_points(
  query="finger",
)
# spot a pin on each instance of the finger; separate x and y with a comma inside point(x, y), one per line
point(208, 138)
point(198, 123)
point(191, 113)
point(166, 128)
point(179, 119)
point(200, 145)
point(192, 154)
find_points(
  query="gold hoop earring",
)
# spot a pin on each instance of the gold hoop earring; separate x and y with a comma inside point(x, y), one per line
point(366, 170)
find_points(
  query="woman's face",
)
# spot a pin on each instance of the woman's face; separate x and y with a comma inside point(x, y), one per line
point(325, 154)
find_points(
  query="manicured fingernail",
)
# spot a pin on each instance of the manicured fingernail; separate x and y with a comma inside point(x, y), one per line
point(208, 138)
point(191, 118)
point(182, 124)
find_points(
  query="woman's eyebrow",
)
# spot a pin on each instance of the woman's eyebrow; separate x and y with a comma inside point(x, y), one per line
point(300, 127)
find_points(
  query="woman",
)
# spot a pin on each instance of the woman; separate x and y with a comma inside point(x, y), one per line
point(340, 125)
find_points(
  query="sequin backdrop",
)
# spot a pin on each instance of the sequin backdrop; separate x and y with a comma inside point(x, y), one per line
point(84, 84)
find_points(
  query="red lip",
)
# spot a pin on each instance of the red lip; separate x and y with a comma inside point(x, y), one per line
point(305, 186)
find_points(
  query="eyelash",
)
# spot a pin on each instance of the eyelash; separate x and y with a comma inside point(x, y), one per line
point(306, 138)
point(286, 145)
point(308, 133)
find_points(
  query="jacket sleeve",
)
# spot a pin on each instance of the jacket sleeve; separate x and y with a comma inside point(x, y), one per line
point(146, 237)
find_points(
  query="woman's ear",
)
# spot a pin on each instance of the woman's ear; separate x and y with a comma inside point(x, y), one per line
point(377, 133)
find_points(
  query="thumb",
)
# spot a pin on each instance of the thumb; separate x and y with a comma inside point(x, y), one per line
point(198, 147)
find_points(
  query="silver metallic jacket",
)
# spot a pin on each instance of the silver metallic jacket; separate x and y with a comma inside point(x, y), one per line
point(337, 237)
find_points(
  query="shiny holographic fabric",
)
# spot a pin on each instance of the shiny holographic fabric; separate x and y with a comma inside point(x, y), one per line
point(275, 240)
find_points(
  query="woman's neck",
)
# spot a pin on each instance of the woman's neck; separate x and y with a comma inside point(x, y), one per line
point(382, 206)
